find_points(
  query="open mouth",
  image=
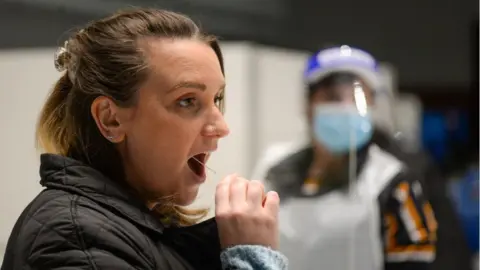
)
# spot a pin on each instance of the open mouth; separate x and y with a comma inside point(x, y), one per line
point(197, 164)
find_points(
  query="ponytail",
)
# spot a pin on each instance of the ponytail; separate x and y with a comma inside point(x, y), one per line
point(53, 133)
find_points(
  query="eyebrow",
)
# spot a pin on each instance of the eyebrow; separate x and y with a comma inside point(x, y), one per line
point(194, 85)
point(187, 84)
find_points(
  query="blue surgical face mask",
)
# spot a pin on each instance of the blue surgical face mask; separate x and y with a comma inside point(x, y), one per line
point(340, 127)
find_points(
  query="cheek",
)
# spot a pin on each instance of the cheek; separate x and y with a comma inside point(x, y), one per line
point(309, 112)
point(156, 154)
point(370, 100)
point(159, 142)
point(158, 134)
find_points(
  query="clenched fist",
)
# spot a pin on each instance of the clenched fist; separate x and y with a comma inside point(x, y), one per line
point(245, 214)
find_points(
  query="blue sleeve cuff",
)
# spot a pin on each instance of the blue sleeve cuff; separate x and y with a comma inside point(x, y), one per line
point(252, 257)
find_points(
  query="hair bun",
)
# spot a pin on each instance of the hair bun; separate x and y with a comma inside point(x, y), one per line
point(61, 57)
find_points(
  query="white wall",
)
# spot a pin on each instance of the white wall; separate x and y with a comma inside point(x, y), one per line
point(25, 79)
point(280, 96)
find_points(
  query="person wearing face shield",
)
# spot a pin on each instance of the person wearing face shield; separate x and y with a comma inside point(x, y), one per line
point(347, 203)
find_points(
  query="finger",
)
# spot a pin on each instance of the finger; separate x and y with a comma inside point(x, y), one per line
point(255, 194)
point(222, 198)
point(238, 192)
point(272, 203)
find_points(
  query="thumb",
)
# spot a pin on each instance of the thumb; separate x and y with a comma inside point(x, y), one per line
point(272, 203)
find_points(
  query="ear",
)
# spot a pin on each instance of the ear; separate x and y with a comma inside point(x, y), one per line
point(107, 116)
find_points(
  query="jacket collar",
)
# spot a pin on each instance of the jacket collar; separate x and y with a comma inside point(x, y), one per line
point(60, 172)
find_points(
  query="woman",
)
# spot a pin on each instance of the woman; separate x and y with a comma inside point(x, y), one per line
point(347, 203)
point(128, 129)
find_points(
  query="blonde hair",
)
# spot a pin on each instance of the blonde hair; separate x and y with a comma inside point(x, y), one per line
point(96, 61)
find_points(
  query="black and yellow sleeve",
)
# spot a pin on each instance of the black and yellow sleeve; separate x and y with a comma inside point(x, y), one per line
point(409, 228)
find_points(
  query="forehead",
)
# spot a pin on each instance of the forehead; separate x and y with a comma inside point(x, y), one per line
point(172, 61)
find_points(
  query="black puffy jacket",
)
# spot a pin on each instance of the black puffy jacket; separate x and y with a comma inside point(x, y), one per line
point(82, 220)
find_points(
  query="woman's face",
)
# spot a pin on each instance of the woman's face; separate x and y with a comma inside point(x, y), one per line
point(176, 117)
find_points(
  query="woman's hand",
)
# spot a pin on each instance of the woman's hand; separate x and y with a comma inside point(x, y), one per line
point(245, 214)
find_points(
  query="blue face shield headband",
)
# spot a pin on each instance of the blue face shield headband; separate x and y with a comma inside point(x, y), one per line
point(342, 59)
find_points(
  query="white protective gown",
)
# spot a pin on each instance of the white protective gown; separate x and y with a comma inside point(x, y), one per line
point(339, 230)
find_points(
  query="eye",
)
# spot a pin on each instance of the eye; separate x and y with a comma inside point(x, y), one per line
point(220, 102)
point(187, 102)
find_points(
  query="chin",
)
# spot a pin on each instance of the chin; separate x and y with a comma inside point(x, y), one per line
point(187, 197)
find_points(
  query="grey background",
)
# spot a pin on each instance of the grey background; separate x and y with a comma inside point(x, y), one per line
point(428, 41)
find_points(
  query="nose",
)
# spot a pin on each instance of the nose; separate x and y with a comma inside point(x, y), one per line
point(222, 128)
point(218, 128)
